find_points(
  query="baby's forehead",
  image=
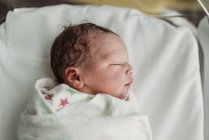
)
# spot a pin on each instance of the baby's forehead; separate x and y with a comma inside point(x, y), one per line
point(102, 44)
point(107, 45)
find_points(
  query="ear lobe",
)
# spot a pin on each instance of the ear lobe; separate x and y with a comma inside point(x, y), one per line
point(78, 84)
point(73, 78)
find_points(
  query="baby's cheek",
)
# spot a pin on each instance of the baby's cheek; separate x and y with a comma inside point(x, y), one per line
point(118, 76)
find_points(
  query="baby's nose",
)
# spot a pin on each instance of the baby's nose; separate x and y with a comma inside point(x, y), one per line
point(129, 70)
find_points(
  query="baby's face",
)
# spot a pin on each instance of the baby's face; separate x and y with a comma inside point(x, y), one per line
point(108, 70)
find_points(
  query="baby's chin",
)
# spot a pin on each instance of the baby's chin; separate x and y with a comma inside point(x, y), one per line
point(120, 95)
point(124, 96)
point(125, 93)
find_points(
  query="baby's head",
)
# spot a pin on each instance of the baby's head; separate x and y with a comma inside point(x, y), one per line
point(92, 59)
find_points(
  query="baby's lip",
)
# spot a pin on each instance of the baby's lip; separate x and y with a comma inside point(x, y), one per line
point(129, 83)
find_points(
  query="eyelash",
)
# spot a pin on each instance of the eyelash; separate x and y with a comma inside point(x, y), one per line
point(116, 64)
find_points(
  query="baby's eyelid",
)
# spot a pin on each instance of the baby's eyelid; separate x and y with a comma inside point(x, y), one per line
point(117, 64)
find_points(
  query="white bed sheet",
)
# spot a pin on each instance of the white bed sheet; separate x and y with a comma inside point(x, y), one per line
point(203, 34)
point(165, 58)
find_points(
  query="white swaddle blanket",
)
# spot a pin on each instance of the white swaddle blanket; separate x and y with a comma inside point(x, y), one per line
point(58, 112)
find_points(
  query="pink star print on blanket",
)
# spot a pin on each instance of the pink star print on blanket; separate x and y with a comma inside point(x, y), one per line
point(63, 102)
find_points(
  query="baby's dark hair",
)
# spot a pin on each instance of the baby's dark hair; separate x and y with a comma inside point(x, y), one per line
point(72, 46)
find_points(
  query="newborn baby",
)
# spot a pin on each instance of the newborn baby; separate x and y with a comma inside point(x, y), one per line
point(91, 94)
point(91, 60)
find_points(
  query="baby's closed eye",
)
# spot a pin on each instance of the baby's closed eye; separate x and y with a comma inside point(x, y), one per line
point(118, 64)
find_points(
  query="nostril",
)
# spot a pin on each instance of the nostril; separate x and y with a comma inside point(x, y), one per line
point(129, 72)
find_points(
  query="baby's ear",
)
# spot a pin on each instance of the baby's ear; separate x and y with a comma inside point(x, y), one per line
point(73, 77)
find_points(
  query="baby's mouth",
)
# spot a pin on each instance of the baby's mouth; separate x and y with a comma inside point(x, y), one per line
point(129, 83)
